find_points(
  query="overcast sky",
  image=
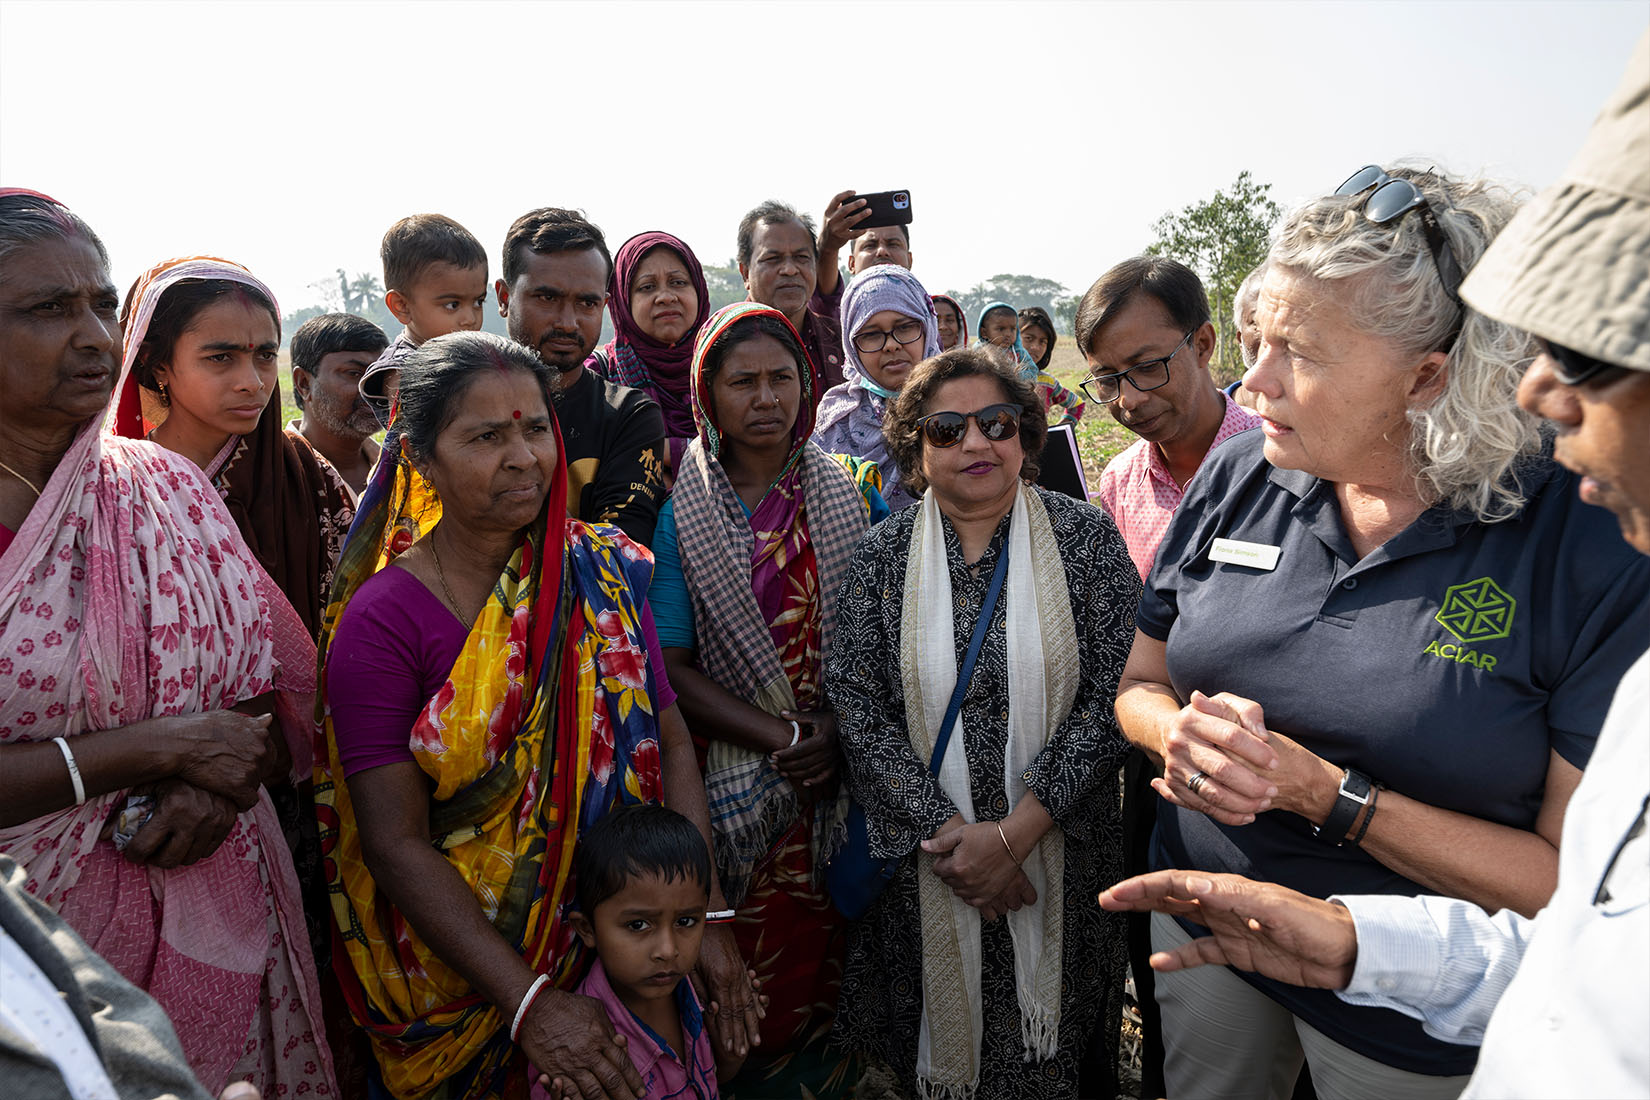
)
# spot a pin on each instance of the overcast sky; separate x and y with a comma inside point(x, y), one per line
point(1035, 138)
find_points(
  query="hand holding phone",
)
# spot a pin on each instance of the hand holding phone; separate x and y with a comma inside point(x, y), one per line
point(886, 208)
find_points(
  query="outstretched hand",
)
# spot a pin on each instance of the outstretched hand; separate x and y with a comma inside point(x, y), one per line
point(1255, 926)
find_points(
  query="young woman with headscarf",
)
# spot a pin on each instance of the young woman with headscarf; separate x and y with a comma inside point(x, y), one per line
point(953, 322)
point(1000, 330)
point(202, 336)
point(750, 549)
point(888, 326)
point(659, 301)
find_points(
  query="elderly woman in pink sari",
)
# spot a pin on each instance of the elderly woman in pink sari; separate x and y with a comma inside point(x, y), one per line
point(152, 679)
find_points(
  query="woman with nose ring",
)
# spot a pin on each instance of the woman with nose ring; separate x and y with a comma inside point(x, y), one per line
point(201, 340)
point(750, 551)
point(198, 377)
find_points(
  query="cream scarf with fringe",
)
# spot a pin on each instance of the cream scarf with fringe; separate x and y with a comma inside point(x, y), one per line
point(1042, 683)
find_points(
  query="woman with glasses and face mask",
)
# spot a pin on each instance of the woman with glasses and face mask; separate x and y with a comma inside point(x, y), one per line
point(889, 326)
point(1380, 635)
point(985, 967)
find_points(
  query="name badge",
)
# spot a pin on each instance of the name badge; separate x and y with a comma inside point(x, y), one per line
point(1256, 555)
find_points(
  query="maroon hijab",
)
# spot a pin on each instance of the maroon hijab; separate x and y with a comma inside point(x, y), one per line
point(641, 361)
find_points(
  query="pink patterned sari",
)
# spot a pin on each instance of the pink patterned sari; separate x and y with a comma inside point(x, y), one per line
point(128, 594)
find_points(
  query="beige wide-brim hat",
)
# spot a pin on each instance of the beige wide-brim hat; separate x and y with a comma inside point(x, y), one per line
point(1573, 266)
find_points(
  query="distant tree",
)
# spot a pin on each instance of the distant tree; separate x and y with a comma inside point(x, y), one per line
point(1221, 238)
point(725, 285)
point(1018, 291)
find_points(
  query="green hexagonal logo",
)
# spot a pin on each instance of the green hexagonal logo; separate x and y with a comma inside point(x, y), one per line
point(1477, 611)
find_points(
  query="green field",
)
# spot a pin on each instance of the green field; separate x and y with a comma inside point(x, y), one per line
point(1099, 437)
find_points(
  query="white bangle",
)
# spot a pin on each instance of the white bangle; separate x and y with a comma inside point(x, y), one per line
point(796, 734)
point(526, 1003)
point(74, 771)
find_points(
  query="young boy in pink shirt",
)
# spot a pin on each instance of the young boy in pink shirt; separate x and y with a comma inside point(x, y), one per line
point(642, 878)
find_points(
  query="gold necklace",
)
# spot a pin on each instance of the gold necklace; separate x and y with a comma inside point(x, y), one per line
point(441, 574)
point(21, 478)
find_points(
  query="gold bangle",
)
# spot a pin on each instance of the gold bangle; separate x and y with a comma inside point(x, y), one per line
point(1007, 845)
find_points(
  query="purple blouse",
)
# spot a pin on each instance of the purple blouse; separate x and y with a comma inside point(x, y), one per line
point(395, 646)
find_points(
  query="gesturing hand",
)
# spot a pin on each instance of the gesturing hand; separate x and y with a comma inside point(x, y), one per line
point(228, 753)
point(568, 1037)
point(1257, 926)
point(186, 826)
point(811, 763)
point(734, 1007)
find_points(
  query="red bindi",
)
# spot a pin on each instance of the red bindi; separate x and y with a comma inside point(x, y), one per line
point(516, 414)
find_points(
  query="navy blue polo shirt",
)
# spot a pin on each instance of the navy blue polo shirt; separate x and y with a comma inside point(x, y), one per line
point(1446, 665)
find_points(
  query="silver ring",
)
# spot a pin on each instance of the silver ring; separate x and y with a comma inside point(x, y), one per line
point(1195, 783)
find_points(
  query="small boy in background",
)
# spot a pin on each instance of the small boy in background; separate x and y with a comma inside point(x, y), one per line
point(435, 282)
point(642, 877)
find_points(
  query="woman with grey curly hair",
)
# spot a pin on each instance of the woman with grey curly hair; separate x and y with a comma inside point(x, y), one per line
point(1379, 639)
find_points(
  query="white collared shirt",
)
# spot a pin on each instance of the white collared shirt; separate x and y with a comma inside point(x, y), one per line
point(1561, 1003)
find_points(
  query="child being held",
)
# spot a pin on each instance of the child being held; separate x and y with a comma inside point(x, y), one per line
point(435, 282)
point(642, 877)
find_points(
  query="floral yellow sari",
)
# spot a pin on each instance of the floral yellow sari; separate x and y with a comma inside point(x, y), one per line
point(546, 721)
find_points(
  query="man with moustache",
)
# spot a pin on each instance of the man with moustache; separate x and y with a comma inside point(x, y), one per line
point(1144, 329)
point(330, 353)
point(556, 270)
point(785, 267)
point(1560, 1004)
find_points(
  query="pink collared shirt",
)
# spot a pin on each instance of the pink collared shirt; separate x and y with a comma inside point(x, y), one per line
point(1141, 496)
point(666, 1074)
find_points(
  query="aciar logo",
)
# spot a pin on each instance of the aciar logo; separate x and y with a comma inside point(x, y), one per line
point(1474, 612)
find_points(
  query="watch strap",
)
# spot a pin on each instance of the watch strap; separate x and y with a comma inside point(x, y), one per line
point(1353, 796)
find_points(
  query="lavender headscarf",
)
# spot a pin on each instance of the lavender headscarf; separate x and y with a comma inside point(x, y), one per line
point(850, 415)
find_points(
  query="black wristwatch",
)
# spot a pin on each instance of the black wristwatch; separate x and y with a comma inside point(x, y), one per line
point(1349, 802)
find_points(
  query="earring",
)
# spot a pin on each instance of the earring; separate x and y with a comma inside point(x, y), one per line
point(165, 398)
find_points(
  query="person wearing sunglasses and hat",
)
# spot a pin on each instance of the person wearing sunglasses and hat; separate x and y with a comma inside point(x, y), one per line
point(1021, 821)
point(1559, 1004)
point(1381, 634)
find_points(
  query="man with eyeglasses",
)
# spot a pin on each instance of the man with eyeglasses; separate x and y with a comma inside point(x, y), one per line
point(1560, 1003)
point(1144, 329)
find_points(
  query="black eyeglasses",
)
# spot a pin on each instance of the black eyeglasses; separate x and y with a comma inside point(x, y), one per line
point(996, 423)
point(1573, 368)
point(1391, 200)
point(1147, 376)
point(872, 339)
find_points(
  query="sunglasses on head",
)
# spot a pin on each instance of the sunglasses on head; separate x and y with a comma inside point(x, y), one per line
point(1390, 200)
point(996, 423)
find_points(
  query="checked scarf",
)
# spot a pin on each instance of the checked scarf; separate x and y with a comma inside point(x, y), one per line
point(763, 588)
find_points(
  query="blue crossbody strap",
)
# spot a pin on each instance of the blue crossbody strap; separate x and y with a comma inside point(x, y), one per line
point(949, 722)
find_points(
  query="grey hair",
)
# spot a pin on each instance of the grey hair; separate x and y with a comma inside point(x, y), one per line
point(1466, 447)
point(28, 218)
point(1248, 293)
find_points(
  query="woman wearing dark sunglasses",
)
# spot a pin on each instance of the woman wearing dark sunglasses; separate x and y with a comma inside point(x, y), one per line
point(1380, 636)
point(985, 967)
